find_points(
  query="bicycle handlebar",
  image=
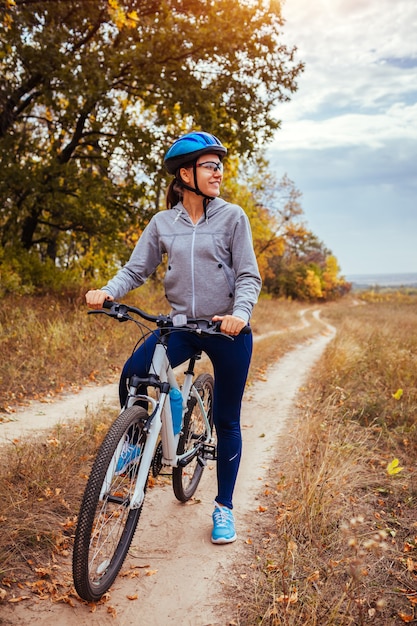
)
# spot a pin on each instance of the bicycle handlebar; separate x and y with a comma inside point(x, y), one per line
point(121, 312)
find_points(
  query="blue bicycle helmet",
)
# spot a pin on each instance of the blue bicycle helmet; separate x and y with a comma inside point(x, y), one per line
point(189, 147)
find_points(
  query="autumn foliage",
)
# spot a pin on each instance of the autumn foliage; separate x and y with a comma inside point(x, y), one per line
point(93, 93)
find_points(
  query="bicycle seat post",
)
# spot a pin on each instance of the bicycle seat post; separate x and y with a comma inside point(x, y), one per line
point(191, 364)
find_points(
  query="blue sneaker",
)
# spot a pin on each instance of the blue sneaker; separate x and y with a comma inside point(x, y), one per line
point(128, 456)
point(223, 525)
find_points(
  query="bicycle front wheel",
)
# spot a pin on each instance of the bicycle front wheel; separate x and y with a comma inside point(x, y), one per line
point(106, 523)
point(185, 480)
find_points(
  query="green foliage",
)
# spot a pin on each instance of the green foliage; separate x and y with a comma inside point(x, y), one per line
point(22, 272)
point(94, 91)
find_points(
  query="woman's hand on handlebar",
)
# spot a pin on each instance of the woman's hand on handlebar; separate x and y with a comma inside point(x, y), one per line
point(230, 324)
point(95, 298)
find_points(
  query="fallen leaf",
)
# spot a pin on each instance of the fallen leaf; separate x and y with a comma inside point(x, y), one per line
point(398, 394)
point(405, 617)
point(408, 547)
point(393, 467)
point(314, 576)
point(151, 572)
point(411, 566)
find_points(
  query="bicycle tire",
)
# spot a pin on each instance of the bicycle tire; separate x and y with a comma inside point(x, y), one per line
point(106, 527)
point(185, 480)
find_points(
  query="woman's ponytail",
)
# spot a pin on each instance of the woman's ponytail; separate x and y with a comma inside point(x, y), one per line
point(174, 193)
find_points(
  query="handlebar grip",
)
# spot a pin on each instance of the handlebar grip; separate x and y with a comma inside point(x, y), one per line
point(107, 304)
point(246, 330)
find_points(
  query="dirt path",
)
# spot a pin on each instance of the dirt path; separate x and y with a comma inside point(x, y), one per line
point(174, 573)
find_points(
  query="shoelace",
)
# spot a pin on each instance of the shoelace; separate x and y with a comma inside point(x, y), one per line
point(221, 516)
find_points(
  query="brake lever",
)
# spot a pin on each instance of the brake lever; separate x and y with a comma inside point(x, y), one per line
point(113, 309)
point(246, 330)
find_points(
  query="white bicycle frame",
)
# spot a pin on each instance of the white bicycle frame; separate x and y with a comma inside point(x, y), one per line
point(161, 423)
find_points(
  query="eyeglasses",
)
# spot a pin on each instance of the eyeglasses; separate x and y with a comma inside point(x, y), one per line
point(213, 166)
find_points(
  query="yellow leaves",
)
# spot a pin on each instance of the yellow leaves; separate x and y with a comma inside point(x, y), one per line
point(398, 394)
point(120, 17)
point(313, 284)
point(133, 18)
point(393, 467)
point(7, 18)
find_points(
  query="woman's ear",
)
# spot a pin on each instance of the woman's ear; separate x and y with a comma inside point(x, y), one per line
point(185, 174)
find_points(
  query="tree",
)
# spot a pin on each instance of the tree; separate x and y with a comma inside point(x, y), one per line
point(247, 184)
point(94, 91)
point(304, 268)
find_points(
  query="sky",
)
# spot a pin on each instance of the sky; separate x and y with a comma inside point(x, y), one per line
point(348, 137)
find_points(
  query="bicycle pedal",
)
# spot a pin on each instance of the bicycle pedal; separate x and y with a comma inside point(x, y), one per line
point(209, 452)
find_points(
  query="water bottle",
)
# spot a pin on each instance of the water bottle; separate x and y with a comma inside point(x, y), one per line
point(175, 397)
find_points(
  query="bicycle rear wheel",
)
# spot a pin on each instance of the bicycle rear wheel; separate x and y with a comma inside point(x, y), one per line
point(106, 523)
point(185, 480)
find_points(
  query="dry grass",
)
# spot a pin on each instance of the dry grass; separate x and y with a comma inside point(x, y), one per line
point(336, 542)
point(38, 504)
point(336, 538)
point(278, 326)
point(49, 346)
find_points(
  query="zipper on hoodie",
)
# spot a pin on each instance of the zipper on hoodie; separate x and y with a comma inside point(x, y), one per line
point(192, 271)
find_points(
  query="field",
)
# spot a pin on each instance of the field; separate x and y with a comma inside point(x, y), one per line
point(339, 543)
point(338, 538)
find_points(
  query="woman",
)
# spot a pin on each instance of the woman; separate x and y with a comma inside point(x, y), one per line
point(212, 274)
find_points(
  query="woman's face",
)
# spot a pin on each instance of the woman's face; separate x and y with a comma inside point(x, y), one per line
point(209, 174)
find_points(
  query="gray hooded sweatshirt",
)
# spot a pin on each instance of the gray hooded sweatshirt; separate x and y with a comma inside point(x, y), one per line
point(212, 268)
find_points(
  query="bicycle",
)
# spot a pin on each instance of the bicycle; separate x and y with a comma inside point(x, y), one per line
point(113, 499)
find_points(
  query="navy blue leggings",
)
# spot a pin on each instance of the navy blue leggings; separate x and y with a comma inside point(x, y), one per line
point(230, 361)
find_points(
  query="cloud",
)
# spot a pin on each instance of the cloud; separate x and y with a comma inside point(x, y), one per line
point(398, 122)
point(348, 136)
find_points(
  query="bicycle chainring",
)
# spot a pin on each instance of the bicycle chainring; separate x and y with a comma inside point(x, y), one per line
point(157, 460)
